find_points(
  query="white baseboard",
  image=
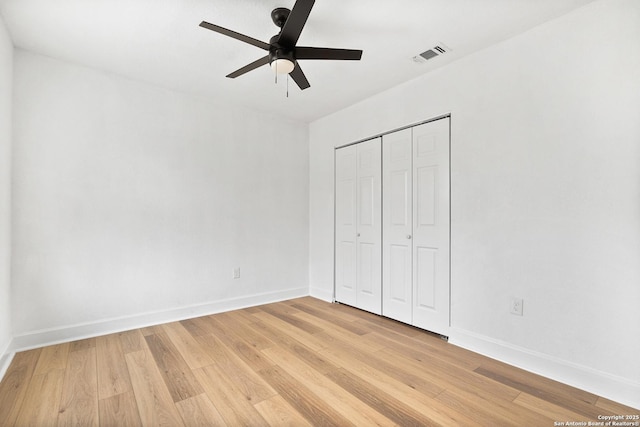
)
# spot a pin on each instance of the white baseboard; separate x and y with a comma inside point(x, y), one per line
point(323, 294)
point(87, 330)
point(5, 360)
point(610, 386)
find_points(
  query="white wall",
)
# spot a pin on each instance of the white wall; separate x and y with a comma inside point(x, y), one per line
point(133, 204)
point(6, 71)
point(545, 194)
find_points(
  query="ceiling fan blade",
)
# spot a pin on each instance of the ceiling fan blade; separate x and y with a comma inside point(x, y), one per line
point(295, 22)
point(255, 64)
point(327, 53)
point(298, 76)
point(233, 34)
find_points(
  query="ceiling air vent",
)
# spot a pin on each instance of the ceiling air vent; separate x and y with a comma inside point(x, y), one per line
point(431, 53)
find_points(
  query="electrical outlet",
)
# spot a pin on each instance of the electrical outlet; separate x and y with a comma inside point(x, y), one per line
point(516, 306)
point(236, 273)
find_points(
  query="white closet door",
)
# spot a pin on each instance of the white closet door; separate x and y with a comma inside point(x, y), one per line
point(431, 226)
point(358, 238)
point(345, 239)
point(397, 228)
point(369, 226)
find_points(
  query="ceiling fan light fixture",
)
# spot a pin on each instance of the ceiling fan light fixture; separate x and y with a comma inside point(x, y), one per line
point(282, 66)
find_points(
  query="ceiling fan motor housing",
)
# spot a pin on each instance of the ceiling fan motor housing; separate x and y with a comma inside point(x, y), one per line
point(278, 51)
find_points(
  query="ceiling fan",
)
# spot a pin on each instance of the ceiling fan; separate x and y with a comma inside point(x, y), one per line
point(283, 53)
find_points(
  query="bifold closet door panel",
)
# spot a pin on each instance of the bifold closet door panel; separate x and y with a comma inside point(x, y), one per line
point(345, 239)
point(431, 226)
point(397, 214)
point(358, 251)
point(369, 226)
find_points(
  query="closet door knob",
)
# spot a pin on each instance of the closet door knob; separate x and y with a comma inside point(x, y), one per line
point(408, 236)
point(358, 235)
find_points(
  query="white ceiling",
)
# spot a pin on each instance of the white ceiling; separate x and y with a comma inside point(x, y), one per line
point(159, 41)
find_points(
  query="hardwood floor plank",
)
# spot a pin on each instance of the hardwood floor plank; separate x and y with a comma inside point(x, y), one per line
point(448, 376)
point(543, 389)
point(316, 411)
point(545, 409)
point(283, 307)
point(198, 411)
point(15, 383)
point(192, 326)
point(79, 403)
point(288, 302)
point(328, 335)
point(489, 367)
point(327, 325)
point(120, 410)
point(384, 403)
point(151, 330)
point(379, 322)
point(205, 325)
point(175, 372)
point(479, 413)
point(336, 310)
point(235, 411)
point(242, 315)
point(392, 368)
point(327, 316)
point(426, 345)
point(155, 404)
point(286, 314)
point(416, 379)
point(483, 415)
point(499, 409)
point(250, 355)
point(278, 412)
point(245, 331)
point(249, 384)
point(437, 411)
point(305, 338)
point(310, 356)
point(83, 344)
point(113, 375)
point(40, 406)
point(187, 346)
point(53, 357)
point(612, 407)
point(131, 341)
point(335, 396)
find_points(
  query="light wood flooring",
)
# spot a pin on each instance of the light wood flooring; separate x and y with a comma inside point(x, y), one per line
point(300, 362)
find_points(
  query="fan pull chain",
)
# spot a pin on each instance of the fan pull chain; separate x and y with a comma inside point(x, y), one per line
point(287, 85)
